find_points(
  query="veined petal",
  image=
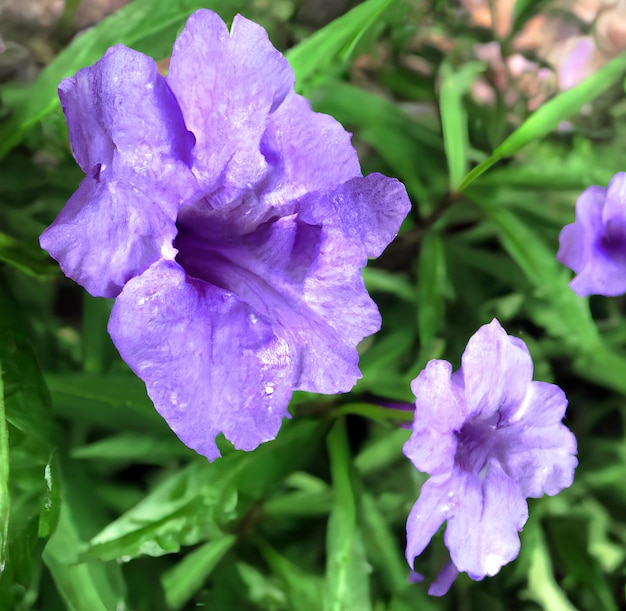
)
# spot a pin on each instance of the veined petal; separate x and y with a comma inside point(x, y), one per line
point(316, 301)
point(433, 507)
point(107, 233)
point(439, 400)
point(482, 534)
point(497, 370)
point(120, 111)
point(365, 212)
point(227, 85)
point(536, 449)
point(128, 135)
point(309, 151)
point(211, 364)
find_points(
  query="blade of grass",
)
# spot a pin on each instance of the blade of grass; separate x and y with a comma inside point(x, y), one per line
point(547, 117)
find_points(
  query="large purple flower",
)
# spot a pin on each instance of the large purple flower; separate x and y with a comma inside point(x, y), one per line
point(230, 222)
point(595, 245)
point(489, 437)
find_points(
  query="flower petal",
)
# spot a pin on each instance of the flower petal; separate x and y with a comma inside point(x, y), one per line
point(127, 133)
point(444, 580)
point(120, 111)
point(497, 371)
point(227, 85)
point(295, 275)
point(309, 151)
point(614, 210)
point(537, 450)
point(365, 212)
point(427, 515)
point(210, 363)
point(482, 533)
point(577, 241)
point(595, 245)
point(107, 233)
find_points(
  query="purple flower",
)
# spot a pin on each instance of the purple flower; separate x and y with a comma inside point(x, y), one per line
point(489, 437)
point(229, 221)
point(595, 245)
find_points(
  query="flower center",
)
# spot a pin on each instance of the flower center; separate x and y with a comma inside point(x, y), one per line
point(476, 444)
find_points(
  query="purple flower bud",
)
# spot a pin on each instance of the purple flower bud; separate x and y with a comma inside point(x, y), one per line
point(231, 224)
point(595, 245)
point(489, 437)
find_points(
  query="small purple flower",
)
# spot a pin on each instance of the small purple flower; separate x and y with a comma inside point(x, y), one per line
point(231, 224)
point(595, 245)
point(489, 437)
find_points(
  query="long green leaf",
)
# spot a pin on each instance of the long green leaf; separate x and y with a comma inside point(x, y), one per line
point(5, 499)
point(336, 41)
point(183, 580)
point(547, 117)
point(454, 85)
point(347, 582)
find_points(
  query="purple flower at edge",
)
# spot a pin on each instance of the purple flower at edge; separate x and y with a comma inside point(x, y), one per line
point(595, 245)
point(489, 437)
point(231, 224)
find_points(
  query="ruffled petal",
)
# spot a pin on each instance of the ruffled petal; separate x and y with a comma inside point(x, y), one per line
point(497, 370)
point(210, 363)
point(432, 508)
point(127, 133)
point(308, 151)
point(227, 85)
point(536, 449)
point(430, 450)
point(439, 400)
point(363, 212)
point(120, 111)
point(107, 233)
point(482, 535)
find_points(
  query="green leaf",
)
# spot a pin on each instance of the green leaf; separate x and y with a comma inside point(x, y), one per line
point(302, 589)
point(382, 546)
point(183, 580)
point(567, 316)
point(542, 588)
point(547, 118)
point(198, 502)
point(431, 286)
point(336, 41)
point(395, 284)
point(32, 261)
point(94, 585)
point(144, 25)
point(134, 448)
point(347, 581)
point(97, 346)
point(538, 262)
point(454, 86)
point(5, 499)
point(383, 452)
point(112, 401)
